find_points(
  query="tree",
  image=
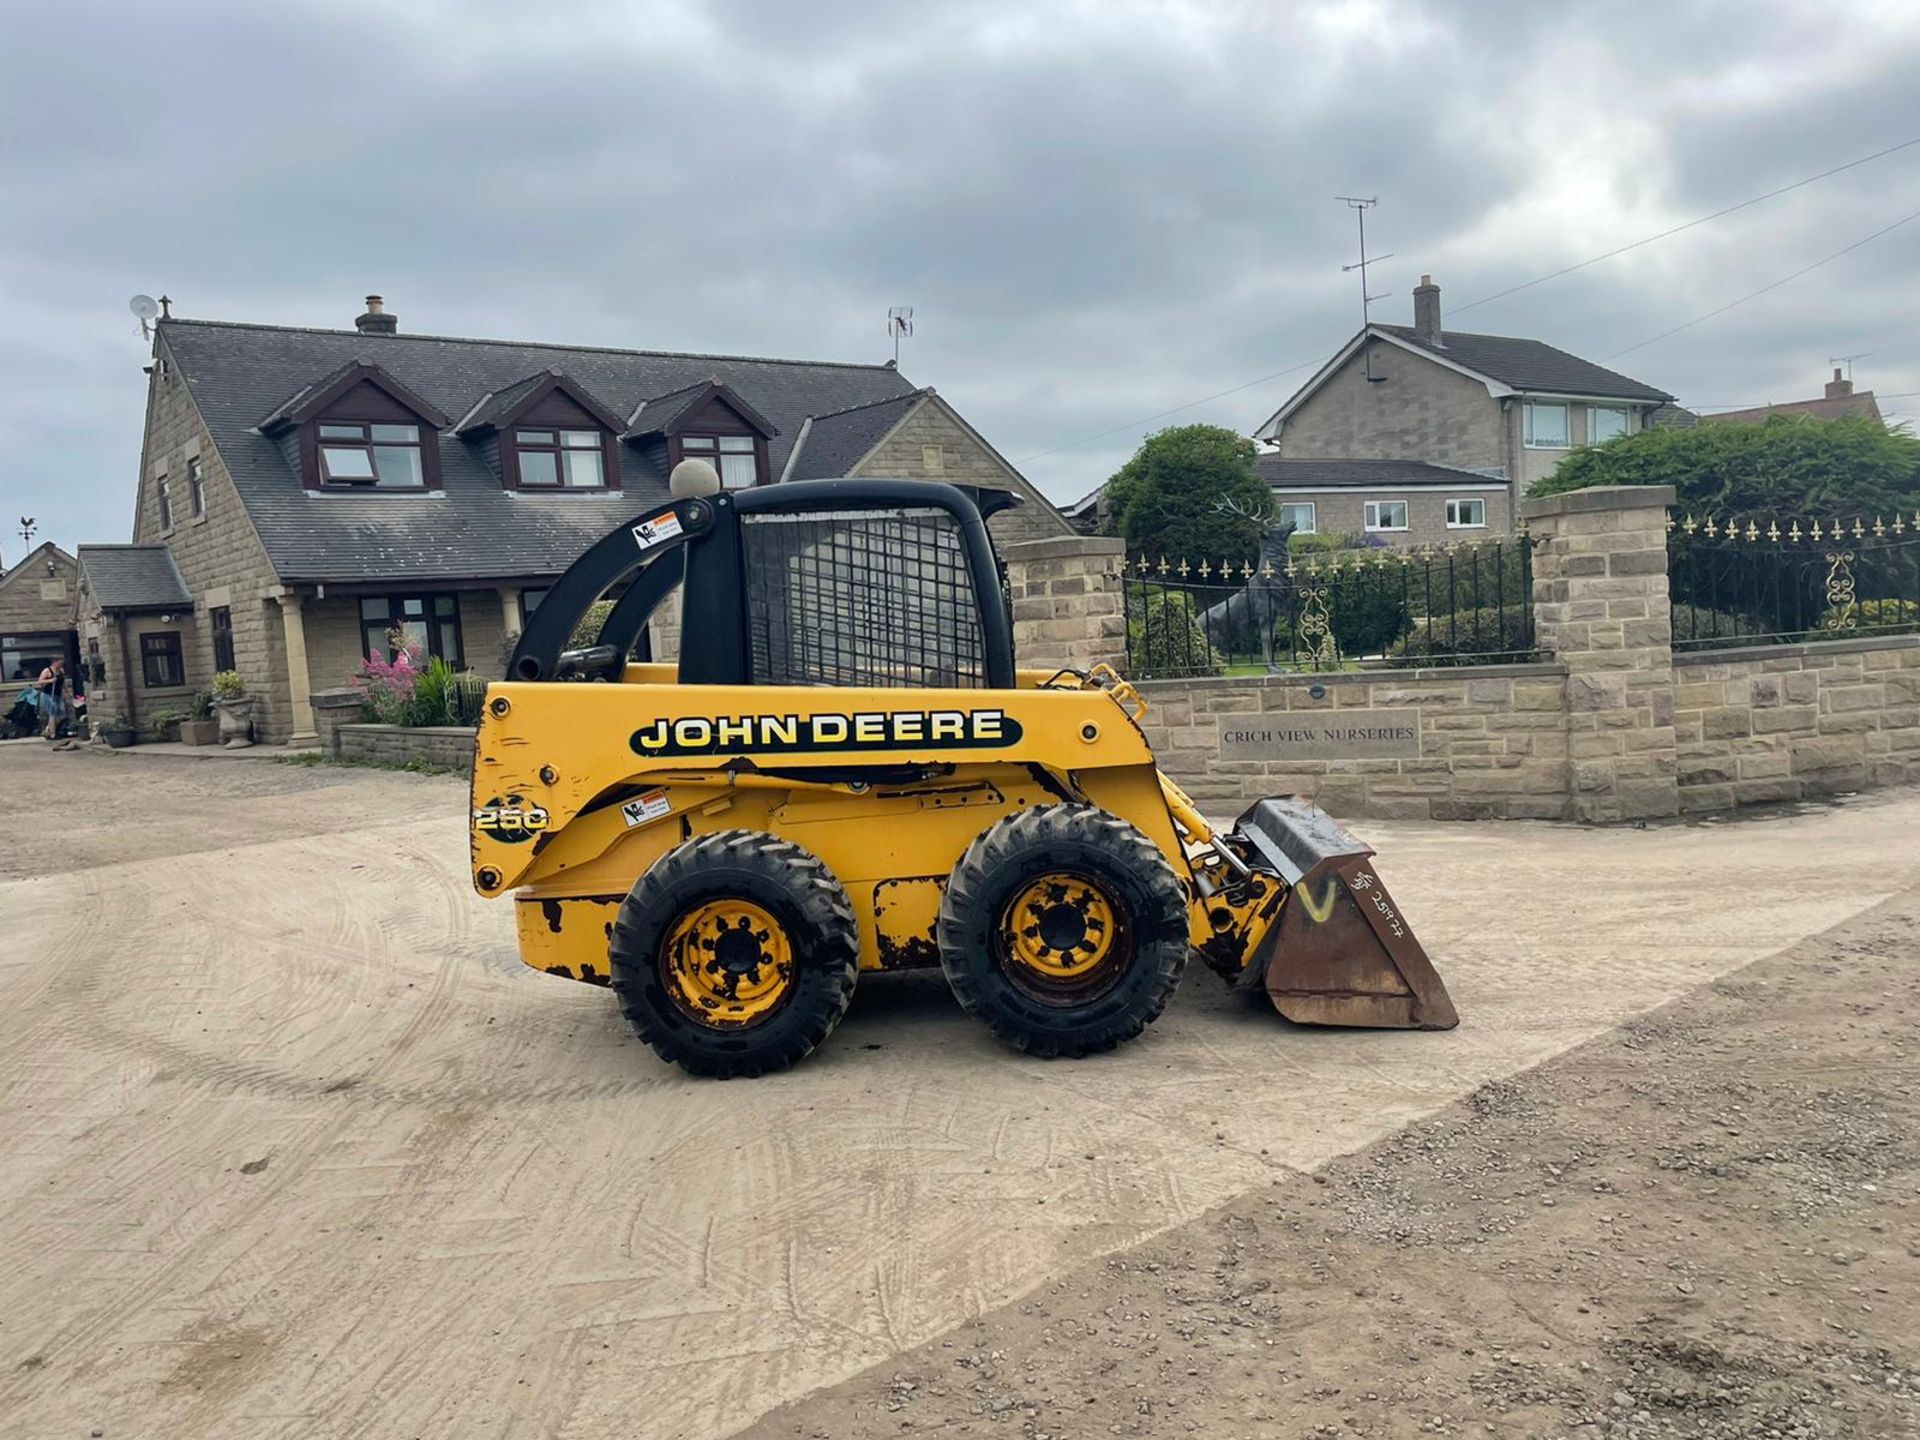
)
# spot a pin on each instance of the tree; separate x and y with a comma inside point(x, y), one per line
point(1789, 466)
point(1167, 500)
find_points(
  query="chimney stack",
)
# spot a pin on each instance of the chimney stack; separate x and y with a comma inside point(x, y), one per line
point(376, 321)
point(1836, 387)
point(1426, 310)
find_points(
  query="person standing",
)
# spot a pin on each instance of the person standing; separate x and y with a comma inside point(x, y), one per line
point(53, 697)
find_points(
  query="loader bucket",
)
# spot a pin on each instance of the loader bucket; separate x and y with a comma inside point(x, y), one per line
point(1342, 953)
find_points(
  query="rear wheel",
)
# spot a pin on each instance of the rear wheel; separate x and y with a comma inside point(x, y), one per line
point(1064, 930)
point(735, 954)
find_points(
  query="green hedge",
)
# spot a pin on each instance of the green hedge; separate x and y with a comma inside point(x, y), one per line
point(1164, 636)
point(1466, 633)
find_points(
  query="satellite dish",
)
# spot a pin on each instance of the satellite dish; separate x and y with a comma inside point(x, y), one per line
point(144, 308)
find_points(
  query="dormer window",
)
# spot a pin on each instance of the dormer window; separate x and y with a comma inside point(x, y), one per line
point(385, 457)
point(732, 455)
point(545, 433)
point(707, 420)
point(568, 459)
point(360, 429)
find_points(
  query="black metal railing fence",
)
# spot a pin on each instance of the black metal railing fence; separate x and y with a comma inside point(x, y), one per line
point(1331, 609)
point(1748, 581)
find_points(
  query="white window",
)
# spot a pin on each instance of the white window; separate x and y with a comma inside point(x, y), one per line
point(1299, 515)
point(731, 455)
point(1546, 426)
point(1604, 422)
point(568, 458)
point(1386, 514)
point(1466, 514)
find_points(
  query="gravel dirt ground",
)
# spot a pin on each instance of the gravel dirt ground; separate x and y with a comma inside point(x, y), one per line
point(1706, 1223)
point(292, 1145)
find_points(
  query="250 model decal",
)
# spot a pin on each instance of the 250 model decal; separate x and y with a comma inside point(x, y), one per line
point(510, 819)
point(806, 734)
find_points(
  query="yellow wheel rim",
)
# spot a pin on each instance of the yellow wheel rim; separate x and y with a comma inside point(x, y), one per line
point(1060, 934)
point(727, 963)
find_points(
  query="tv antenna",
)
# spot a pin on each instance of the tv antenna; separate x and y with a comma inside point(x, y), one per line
point(899, 323)
point(1360, 206)
point(144, 308)
point(1847, 360)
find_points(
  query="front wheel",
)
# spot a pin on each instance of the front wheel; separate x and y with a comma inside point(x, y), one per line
point(1064, 930)
point(735, 954)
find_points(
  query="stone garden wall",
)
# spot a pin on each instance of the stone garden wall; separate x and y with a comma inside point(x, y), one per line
point(1450, 744)
point(1611, 725)
point(1782, 722)
point(449, 746)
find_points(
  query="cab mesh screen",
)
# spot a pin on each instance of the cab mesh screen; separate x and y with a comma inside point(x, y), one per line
point(861, 597)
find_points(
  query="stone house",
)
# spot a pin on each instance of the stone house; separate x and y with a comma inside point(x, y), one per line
point(36, 617)
point(1474, 419)
point(1838, 400)
point(317, 493)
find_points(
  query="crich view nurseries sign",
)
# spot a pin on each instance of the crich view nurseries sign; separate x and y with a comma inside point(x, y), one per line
point(1322, 735)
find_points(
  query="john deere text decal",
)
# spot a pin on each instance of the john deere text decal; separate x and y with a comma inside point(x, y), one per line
point(805, 734)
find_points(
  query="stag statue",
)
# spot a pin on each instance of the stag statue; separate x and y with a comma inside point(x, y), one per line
point(1258, 603)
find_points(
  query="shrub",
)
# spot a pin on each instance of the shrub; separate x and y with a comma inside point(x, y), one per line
point(228, 685)
point(387, 686)
point(1878, 615)
point(1460, 634)
point(406, 692)
point(1164, 637)
point(587, 631)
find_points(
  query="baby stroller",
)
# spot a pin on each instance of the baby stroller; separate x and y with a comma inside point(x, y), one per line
point(24, 717)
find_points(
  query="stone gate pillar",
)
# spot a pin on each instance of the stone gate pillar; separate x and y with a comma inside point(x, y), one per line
point(1068, 609)
point(1600, 608)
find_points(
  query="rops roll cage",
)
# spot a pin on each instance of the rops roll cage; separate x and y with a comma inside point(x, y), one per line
point(696, 542)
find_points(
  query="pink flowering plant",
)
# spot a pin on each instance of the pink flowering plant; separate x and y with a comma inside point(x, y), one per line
point(388, 687)
point(405, 691)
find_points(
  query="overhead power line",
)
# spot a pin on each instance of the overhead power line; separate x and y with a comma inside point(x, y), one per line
point(1487, 299)
point(1775, 285)
point(1702, 220)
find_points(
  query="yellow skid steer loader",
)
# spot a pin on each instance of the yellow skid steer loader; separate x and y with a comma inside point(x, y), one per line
point(845, 772)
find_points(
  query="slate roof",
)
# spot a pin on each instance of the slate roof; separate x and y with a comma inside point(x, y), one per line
point(1528, 364)
point(471, 528)
point(653, 415)
point(1280, 471)
point(497, 403)
point(134, 577)
point(835, 443)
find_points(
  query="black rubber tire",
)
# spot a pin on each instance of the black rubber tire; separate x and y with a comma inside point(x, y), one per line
point(1087, 841)
point(784, 879)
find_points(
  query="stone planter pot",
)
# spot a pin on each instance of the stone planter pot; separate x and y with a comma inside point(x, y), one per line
point(236, 722)
point(200, 732)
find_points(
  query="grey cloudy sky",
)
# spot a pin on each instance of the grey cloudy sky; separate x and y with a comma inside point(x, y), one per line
point(1100, 210)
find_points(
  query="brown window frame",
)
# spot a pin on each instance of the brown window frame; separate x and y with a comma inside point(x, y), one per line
point(161, 646)
point(220, 626)
point(196, 489)
point(513, 446)
point(396, 616)
point(367, 445)
point(758, 451)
